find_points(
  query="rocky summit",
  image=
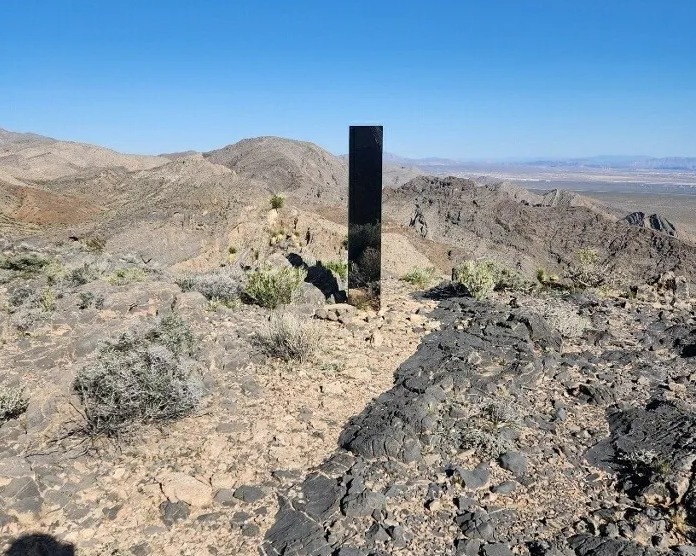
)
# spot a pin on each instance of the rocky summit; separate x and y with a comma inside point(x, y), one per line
point(180, 373)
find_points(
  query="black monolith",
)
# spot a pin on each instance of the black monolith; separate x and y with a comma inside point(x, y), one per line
point(365, 215)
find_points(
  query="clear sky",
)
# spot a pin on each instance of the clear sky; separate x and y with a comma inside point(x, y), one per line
point(462, 79)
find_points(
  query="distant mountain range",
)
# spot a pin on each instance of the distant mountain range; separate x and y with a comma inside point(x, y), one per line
point(616, 162)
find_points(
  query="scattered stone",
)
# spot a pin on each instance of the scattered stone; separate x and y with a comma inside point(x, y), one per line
point(514, 462)
point(249, 494)
point(174, 511)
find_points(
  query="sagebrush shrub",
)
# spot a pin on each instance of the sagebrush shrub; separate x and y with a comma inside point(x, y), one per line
point(83, 275)
point(12, 402)
point(28, 263)
point(588, 273)
point(90, 299)
point(219, 286)
point(140, 378)
point(273, 286)
point(287, 337)
point(95, 244)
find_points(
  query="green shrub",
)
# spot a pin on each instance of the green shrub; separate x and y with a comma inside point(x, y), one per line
point(482, 277)
point(12, 403)
point(420, 277)
point(47, 300)
point(340, 267)
point(55, 272)
point(125, 276)
point(173, 333)
point(277, 201)
point(140, 379)
point(26, 263)
point(287, 337)
point(273, 286)
point(487, 443)
point(478, 277)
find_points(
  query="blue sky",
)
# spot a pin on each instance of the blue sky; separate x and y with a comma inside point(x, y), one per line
point(470, 80)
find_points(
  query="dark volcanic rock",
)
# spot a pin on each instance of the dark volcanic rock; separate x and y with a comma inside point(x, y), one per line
point(654, 222)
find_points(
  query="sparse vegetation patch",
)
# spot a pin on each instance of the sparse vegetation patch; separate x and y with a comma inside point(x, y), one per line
point(125, 276)
point(478, 277)
point(289, 338)
point(482, 277)
point(340, 267)
point(222, 286)
point(12, 402)
point(420, 277)
point(24, 263)
point(273, 286)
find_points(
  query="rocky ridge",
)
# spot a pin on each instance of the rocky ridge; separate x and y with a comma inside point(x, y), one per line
point(501, 436)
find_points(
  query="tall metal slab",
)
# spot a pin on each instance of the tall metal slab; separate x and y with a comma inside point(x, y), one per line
point(365, 215)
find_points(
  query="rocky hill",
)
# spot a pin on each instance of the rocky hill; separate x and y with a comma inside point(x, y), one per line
point(307, 171)
point(35, 158)
point(507, 224)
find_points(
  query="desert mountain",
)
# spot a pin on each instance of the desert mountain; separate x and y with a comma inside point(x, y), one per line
point(305, 170)
point(30, 157)
point(180, 204)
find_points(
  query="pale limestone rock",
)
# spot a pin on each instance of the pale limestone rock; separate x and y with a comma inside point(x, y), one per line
point(178, 486)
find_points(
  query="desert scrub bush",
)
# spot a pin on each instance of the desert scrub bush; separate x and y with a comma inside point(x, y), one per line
point(173, 333)
point(482, 277)
point(419, 277)
point(12, 402)
point(478, 277)
point(588, 273)
point(90, 299)
point(339, 266)
point(588, 257)
point(221, 286)
point(24, 263)
point(125, 276)
point(55, 272)
point(273, 286)
point(565, 319)
point(488, 444)
point(509, 280)
point(289, 338)
point(94, 244)
point(84, 274)
point(29, 305)
point(548, 279)
point(277, 201)
point(140, 378)
point(47, 300)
